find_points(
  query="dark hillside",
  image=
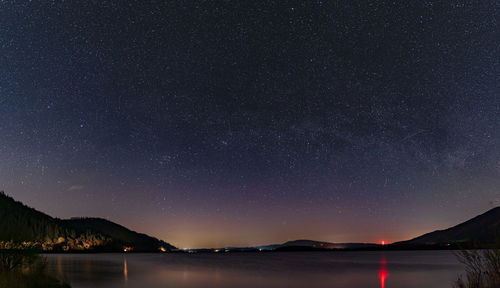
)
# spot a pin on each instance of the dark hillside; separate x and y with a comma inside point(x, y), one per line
point(22, 226)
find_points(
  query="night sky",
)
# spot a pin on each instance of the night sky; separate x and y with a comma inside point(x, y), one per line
point(216, 123)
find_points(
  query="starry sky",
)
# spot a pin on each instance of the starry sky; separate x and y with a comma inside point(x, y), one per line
point(234, 123)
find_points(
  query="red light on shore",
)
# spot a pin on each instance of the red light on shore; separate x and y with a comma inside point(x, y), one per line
point(382, 242)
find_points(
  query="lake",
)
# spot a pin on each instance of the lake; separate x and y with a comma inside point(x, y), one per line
point(386, 269)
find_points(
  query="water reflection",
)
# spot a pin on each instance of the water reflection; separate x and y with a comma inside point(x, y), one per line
point(125, 270)
point(382, 274)
point(265, 270)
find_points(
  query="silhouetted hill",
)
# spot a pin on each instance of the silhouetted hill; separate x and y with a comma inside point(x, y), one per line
point(24, 227)
point(483, 230)
point(302, 245)
point(115, 231)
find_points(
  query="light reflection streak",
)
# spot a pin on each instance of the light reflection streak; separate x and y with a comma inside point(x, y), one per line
point(383, 272)
point(125, 270)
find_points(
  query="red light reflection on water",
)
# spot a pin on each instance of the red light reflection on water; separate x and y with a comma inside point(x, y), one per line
point(382, 274)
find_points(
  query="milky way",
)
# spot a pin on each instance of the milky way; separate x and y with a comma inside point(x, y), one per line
point(251, 122)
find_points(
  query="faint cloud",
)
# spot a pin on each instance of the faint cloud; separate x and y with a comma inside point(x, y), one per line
point(75, 187)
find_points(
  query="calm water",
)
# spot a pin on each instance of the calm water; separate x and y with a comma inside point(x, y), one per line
point(300, 269)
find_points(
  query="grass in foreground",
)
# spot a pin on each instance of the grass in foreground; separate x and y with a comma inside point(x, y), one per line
point(482, 268)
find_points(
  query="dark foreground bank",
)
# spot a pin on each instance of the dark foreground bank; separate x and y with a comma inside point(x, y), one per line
point(26, 269)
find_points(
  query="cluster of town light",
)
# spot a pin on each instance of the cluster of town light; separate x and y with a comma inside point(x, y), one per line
point(128, 249)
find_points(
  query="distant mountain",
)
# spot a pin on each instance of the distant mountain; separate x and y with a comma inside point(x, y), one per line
point(295, 245)
point(482, 230)
point(22, 226)
point(327, 245)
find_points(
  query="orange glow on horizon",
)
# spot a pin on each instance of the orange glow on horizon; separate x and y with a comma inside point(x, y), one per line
point(382, 242)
